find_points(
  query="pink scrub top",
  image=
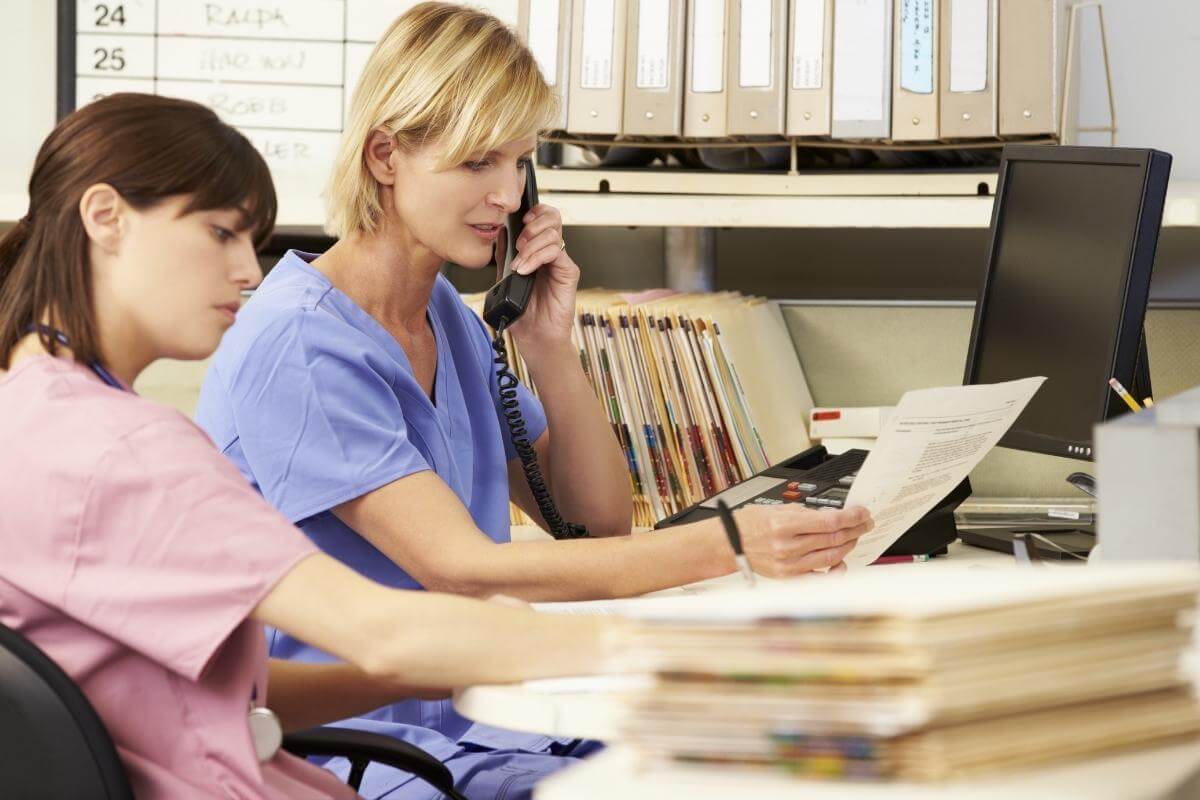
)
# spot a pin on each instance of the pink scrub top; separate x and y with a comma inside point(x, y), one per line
point(133, 553)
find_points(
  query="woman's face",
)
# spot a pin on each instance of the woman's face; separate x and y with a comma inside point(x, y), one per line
point(457, 213)
point(179, 278)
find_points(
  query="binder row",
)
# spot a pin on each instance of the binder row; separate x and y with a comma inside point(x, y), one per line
point(702, 390)
point(900, 70)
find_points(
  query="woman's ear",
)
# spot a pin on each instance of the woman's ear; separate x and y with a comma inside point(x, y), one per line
point(103, 210)
point(381, 146)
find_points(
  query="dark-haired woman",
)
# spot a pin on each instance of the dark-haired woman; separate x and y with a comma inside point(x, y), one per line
point(130, 550)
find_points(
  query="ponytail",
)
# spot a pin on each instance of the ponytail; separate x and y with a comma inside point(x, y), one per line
point(11, 246)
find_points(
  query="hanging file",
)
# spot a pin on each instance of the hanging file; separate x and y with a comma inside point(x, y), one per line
point(862, 69)
point(654, 68)
point(915, 71)
point(597, 67)
point(1033, 55)
point(545, 25)
point(810, 68)
point(969, 35)
point(704, 95)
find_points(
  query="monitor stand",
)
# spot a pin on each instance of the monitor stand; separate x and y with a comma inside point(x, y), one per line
point(1079, 542)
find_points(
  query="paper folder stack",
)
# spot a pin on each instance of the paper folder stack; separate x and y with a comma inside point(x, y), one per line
point(913, 674)
point(702, 390)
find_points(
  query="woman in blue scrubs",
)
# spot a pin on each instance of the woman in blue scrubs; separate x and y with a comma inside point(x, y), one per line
point(357, 392)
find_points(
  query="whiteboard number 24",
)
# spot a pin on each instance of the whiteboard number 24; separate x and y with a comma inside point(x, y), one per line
point(106, 17)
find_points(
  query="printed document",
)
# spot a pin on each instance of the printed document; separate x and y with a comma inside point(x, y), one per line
point(933, 439)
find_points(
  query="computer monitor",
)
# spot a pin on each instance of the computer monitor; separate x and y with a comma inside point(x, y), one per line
point(1073, 236)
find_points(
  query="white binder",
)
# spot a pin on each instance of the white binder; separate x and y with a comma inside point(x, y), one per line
point(705, 95)
point(862, 69)
point(757, 63)
point(597, 67)
point(915, 75)
point(545, 25)
point(654, 68)
point(1033, 56)
point(810, 68)
point(969, 36)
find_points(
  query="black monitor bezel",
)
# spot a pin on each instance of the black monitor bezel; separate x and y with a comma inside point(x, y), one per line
point(1155, 167)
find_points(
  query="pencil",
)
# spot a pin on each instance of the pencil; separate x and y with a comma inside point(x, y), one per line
point(1124, 395)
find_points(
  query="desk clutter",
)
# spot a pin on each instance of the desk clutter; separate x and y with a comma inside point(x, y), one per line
point(702, 390)
point(912, 674)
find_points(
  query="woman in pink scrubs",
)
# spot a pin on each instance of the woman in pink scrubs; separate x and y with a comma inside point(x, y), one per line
point(134, 554)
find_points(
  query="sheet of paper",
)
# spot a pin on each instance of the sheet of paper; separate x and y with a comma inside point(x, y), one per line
point(933, 439)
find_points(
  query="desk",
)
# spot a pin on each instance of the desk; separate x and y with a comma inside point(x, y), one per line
point(559, 709)
point(564, 708)
point(1159, 774)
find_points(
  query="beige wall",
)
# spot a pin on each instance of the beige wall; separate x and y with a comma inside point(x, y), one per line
point(870, 355)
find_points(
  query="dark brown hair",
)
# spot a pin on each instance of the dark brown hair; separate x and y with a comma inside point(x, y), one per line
point(148, 148)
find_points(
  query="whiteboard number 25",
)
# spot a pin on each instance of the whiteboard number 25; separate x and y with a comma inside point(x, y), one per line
point(109, 60)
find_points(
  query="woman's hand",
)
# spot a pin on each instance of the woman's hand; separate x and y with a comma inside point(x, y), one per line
point(550, 314)
point(784, 541)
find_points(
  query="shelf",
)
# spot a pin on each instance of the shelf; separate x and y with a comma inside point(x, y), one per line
point(910, 200)
point(747, 211)
point(894, 200)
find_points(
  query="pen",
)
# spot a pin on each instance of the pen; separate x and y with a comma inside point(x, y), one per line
point(735, 541)
point(901, 559)
point(1124, 395)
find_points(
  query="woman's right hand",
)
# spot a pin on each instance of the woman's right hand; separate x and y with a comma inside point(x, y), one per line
point(785, 541)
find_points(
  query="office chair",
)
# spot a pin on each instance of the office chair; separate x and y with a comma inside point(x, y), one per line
point(54, 745)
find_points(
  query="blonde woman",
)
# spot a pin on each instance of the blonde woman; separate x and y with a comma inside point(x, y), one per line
point(357, 392)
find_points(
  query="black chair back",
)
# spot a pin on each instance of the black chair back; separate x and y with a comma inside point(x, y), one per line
point(52, 742)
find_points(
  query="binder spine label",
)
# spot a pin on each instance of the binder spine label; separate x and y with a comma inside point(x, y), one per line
point(808, 34)
point(968, 45)
point(599, 22)
point(654, 43)
point(708, 48)
point(754, 47)
point(916, 41)
point(543, 37)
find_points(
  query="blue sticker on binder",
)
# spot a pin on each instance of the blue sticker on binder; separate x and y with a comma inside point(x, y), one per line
point(916, 46)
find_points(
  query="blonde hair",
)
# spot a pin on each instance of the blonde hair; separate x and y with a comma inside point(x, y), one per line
point(441, 73)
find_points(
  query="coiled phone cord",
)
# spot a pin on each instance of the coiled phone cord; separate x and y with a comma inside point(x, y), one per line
point(507, 382)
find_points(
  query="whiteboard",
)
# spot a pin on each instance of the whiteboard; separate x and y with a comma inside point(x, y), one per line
point(281, 72)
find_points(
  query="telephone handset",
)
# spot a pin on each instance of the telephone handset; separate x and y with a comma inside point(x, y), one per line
point(506, 301)
point(503, 305)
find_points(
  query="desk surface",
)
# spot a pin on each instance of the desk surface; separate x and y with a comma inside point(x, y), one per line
point(585, 709)
point(1158, 774)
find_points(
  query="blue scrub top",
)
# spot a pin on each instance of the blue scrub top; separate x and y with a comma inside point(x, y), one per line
point(316, 404)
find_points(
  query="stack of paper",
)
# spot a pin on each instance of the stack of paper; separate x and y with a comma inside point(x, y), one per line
point(917, 675)
point(702, 390)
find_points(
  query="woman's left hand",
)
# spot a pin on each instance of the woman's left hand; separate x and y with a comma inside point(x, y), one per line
point(550, 314)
